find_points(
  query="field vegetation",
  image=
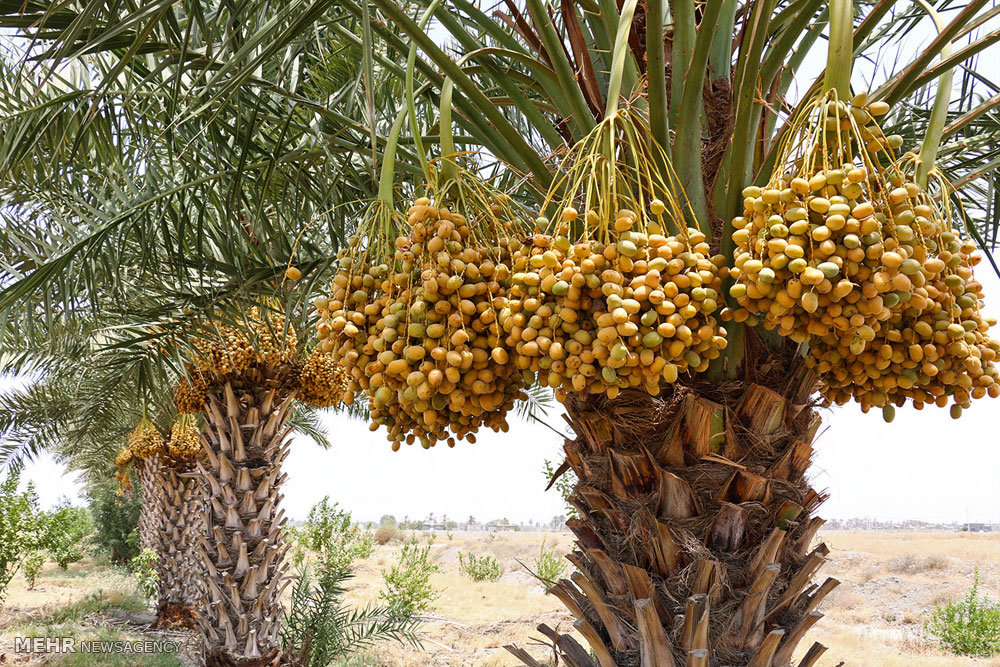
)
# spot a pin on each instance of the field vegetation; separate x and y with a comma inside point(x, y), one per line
point(891, 584)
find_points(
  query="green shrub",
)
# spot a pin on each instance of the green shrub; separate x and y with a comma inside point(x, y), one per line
point(386, 533)
point(32, 567)
point(22, 527)
point(143, 567)
point(970, 626)
point(408, 589)
point(329, 532)
point(115, 521)
point(67, 529)
point(483, 568)
point(549, 565)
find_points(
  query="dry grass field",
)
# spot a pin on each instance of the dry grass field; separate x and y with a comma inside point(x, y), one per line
point(891, 581)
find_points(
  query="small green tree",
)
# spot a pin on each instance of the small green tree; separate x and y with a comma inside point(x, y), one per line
point(143, 566)
point(408, 589)
point(68, 528)
point(549, 565)
point(481, 568)
point(970, 626)
point(32, 567)
point(330, 532)
point(22, 527)
point(115, 523)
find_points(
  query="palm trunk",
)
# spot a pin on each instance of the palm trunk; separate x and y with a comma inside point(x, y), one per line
point(243, 548)
point(151, 510)
point(183, 511)
point(695, 528)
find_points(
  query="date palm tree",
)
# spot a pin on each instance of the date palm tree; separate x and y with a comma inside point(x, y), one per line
point(76, 405)
point(180, 222)
point(696, 519)
point(696, 526)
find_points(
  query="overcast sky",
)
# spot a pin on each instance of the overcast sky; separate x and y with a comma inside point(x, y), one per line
point(923, 466)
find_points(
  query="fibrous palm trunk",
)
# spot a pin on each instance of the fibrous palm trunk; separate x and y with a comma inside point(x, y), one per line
point(183, 512)
point(695, 527)
point(243, 549)
point(151, 510)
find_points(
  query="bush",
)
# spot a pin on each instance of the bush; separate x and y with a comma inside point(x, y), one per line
point(970, 626)
point(115, 523)
point(22, 527)
point(67, 529)
point(549, 565)
point(483, 568)
point(329, 532)
point(910, 564)
point(408, 589)
point(143, 567)
point(386, 533)
point(32, 567)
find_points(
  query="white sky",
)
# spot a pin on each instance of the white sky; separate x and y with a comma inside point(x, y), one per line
point(923, 466)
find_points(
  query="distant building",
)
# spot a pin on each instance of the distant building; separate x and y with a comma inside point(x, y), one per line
point(501, 527)
point(983, 527)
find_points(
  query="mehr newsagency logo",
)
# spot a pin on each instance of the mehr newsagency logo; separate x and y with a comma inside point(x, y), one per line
point(73, 645)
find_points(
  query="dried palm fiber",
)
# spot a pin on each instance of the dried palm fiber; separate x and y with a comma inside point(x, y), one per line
point(604, 297)
point(323, 382)
point(835, 243)
point(696, 521)
point(432, 362)
point(936, 349)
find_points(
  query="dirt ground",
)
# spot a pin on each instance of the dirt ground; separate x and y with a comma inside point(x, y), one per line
point(890, 583)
